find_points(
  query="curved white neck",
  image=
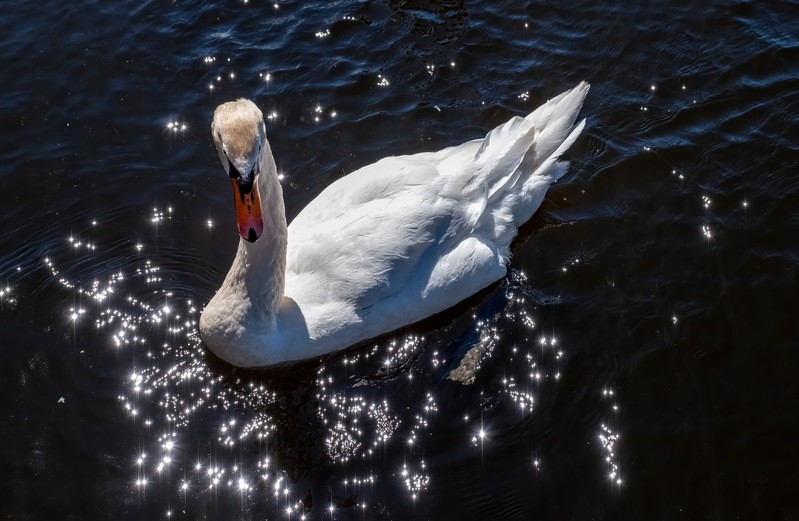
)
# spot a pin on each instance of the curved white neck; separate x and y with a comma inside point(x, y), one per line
point(258, 275)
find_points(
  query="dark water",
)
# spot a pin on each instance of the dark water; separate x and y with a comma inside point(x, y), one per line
point(639, 361)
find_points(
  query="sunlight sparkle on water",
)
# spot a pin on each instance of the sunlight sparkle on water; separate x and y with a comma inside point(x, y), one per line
point(75, 313)
point(609, 438)
point(176, 126)
point(416, 480)
point(174, 391)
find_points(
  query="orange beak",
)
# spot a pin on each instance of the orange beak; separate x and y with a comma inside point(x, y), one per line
point(248, 212)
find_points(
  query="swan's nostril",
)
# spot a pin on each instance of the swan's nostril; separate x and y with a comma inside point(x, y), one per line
point(245, 185)
point(252, 236)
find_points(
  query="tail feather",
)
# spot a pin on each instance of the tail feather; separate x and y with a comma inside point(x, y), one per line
point(527, 148)
point(531, 164)
point(502, 170)
point(499, 136)
point(564, 104)
point(544, 134)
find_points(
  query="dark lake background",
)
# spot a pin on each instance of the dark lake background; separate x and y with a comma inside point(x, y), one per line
point(638, 362)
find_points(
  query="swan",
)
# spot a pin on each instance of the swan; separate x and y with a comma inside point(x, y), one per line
point(381, 248)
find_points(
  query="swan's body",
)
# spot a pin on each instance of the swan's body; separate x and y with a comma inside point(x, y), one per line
point(386, 246)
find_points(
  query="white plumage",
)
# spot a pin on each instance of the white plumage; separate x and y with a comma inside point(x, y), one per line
point(387, 245)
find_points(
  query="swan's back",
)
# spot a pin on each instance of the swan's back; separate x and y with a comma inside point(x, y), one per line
point(409, 236)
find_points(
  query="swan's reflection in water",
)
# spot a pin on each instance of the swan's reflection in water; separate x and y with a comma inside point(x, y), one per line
point(339, 432)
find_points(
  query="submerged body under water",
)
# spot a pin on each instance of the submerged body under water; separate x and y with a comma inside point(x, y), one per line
point(638, 360)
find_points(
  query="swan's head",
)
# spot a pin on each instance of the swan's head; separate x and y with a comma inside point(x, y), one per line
point(239, 134)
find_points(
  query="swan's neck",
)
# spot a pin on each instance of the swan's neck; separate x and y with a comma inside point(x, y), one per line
point(257, 277)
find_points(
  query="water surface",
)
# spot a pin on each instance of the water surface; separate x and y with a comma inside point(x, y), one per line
point(638, 361)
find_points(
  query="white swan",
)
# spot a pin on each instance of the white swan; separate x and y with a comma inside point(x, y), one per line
point(388, 245)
